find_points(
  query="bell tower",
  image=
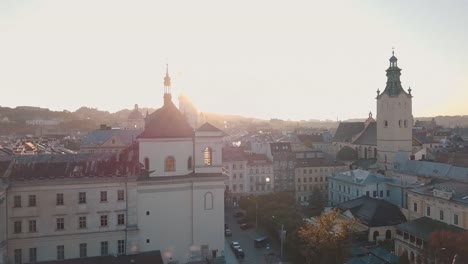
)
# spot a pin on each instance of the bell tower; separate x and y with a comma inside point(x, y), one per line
point(394, 118)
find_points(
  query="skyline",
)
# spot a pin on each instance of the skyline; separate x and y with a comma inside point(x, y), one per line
point(298, 61)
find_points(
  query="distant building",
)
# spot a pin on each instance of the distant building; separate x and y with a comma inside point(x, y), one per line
point(314, 173)
point(283, 165)
point(188, 110)
point(107, 139)
point(135, 120)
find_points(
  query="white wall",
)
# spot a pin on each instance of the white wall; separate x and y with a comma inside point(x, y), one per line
point(157, 150)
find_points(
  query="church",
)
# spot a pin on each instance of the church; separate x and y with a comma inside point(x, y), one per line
point(391, 133)
point(181, 198)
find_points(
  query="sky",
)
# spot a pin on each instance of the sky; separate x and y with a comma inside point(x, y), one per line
point(296, 60)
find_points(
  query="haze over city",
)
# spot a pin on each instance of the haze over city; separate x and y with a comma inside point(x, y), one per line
point(264, 59)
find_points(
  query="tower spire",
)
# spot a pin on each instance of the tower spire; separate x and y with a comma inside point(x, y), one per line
point(167, 86)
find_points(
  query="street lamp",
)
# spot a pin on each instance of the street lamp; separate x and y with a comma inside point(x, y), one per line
point(256, 206)
point(282, 235)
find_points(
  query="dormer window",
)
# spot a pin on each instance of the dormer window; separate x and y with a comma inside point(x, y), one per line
point(208, 156)
point(169, 164)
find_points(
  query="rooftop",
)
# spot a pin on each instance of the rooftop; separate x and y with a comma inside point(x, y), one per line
point(347, 130)
point(423, 227)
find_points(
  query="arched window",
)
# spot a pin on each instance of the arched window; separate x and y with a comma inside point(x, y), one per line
point(376, 235)
point(208, 201)
point(208, 156)
point(388, 234)
point(189, 163)
point(169, 164)
point(147, 164)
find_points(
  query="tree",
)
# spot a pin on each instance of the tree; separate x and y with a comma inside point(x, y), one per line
point(326, 240)
point(444, 245)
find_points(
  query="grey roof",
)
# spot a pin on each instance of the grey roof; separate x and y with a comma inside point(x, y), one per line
point(361, 177)
point(422, 138)
point(346, 131)
point(374, 212)
point(459, 190)
point(98, 137)
point(385, 255)
point(368, 136)
point(423, 227)
point(433, 169)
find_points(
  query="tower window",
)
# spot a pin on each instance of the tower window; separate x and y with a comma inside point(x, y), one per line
point(385, 123)
point(207, 156)
point(406, 123)
point(399, 123)
point(147, 164)
point(169, 164)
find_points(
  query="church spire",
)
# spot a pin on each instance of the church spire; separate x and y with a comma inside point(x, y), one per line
point(167, 86)
point(393, 86)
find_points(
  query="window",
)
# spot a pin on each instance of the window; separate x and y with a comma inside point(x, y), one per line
point(32, 201)
point(234, 176)
point(60, 252)
point(83, 250)
point(241, 187)
point(169, 164)
point(321, 179)
point(388, 193)
point(455, 219)
point(207, 156)
point(82, 222)
point(406, 123)
point(367, 193)
point(60, 223)
point(385, 123)
point(103, 196)
point(18, 256)
point(234, 166)
point(441, 214)
point(415, 207)
point(17, 201)
point(240, 175)
point(32, 226)
point(120, 246)
point(399, 123)
point(209, 200)
point(32, 255)
point(147, 167)
point(374, 194)
point(428, 211)
point(104, 248)
point(103, 220)
point(298, 179)
point(17, 227)
point(121, 219)
point(357, 192)
point(59, 199)
point(381, 193)
point(189, 163)
point(81, 197)
point(120, 195)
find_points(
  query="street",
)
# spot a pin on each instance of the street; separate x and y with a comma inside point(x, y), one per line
point(246, 240)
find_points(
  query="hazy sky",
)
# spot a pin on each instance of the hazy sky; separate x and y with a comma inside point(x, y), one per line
point(261, 58)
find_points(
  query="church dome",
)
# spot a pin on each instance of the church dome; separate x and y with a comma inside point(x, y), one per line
point(135, 114)
point(167, 122)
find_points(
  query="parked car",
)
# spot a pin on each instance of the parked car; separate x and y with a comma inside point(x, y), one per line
point(239, 252)
point(246, 226)
point(261, 242)
point(234, 245)
point(227, 232)
point(242, 221)
point(239, 214)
